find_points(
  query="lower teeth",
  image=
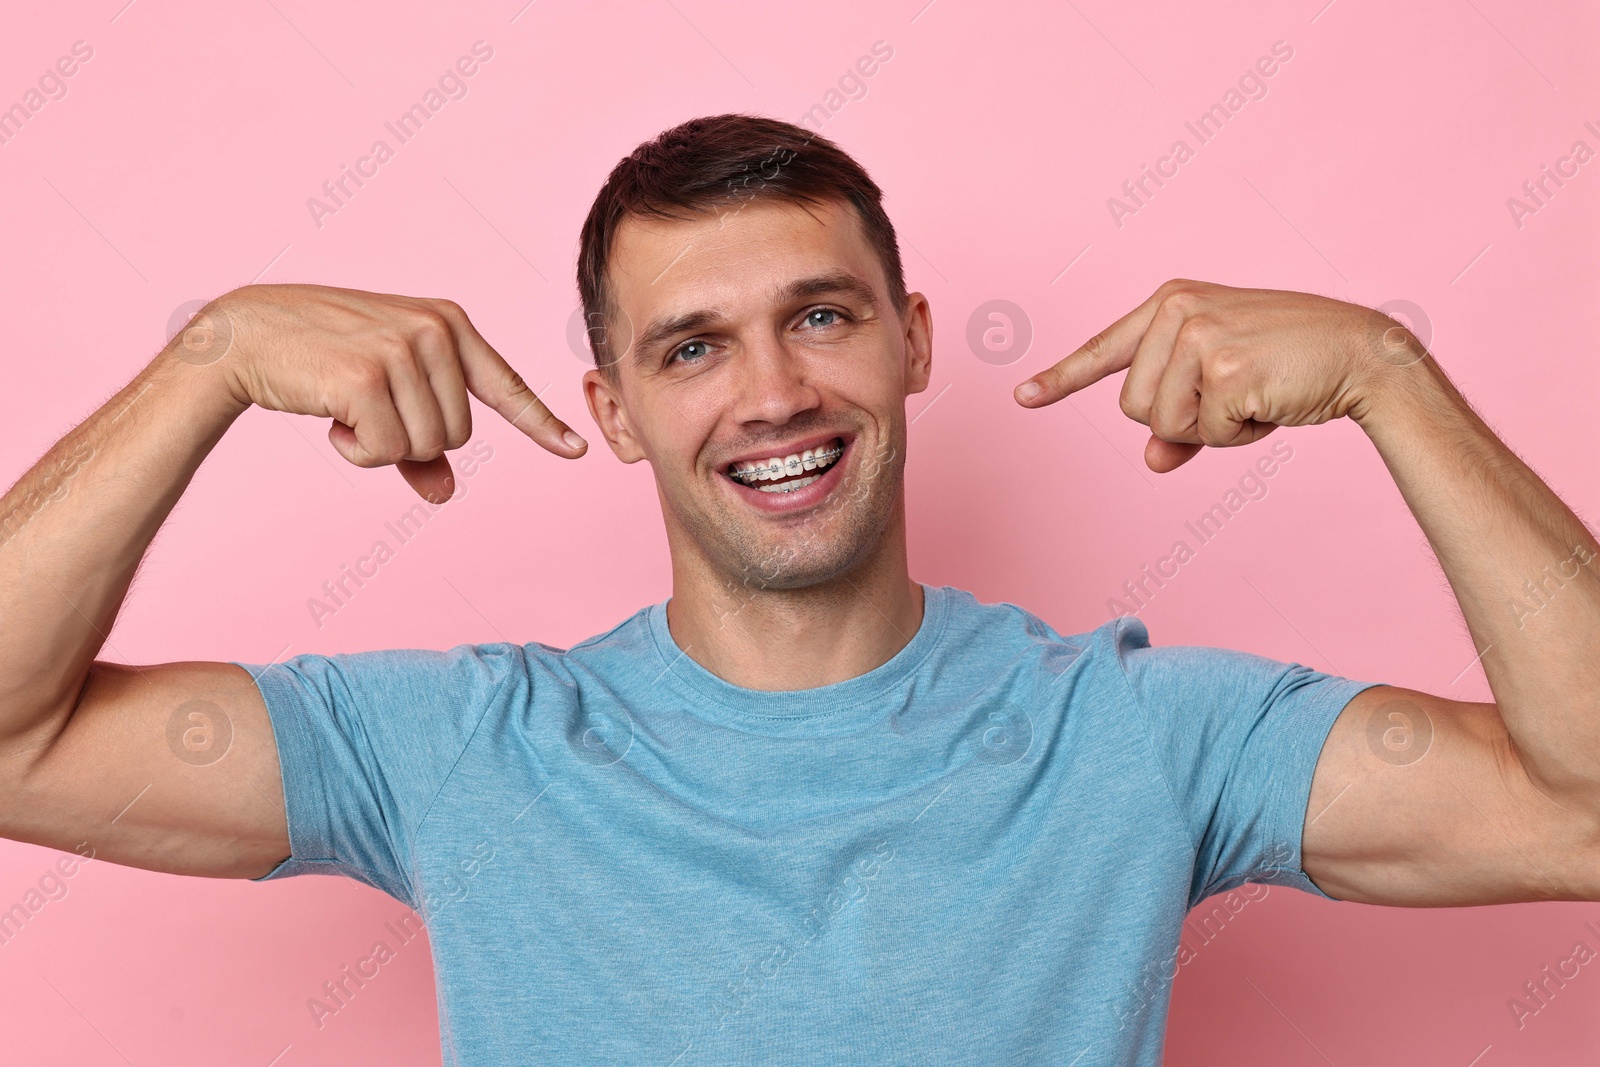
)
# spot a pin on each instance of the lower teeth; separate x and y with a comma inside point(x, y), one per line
point(790, 487)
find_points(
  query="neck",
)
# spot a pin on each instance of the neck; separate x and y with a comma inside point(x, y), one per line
point(778, 639)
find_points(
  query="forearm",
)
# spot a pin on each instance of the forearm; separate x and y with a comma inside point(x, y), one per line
point(74, 528)
point(1525, 570)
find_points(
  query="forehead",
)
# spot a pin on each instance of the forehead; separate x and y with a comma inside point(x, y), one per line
point(724, 260)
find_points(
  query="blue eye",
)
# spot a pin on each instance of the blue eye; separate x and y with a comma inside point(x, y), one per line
point(685, 353)
point(684, 348)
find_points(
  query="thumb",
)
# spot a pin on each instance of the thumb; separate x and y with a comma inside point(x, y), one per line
point(433, 479)
point(1163, 456)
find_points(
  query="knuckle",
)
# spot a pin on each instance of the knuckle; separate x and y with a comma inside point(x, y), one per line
point(456, 315)
point(367, 376)
point(1096, 346)
point(427, 442)
point(458, 428)
point(1132, 407)
point(518, 388)
point(1174, 286)
point(392, 342)
point(1210, 437)
point(1182, 300)
point(1197, 330)
point(1224, 365)
point(429, 326)
point(378, 449)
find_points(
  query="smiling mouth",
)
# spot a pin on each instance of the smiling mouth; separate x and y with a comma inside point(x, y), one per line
point(785, 474)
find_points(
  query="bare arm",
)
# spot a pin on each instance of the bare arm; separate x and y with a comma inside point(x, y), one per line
point(1416, 800)
point(173, 767)
point(1492, 802)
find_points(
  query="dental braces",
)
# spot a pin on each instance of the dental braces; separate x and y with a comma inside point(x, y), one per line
point(830, 456)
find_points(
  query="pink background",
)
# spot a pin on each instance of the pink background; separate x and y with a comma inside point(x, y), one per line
point(1377, 168)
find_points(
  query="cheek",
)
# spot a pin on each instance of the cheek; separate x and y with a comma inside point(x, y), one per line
point(869, 377)
point(670, 435)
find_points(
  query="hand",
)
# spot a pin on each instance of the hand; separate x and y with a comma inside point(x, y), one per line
point(393, 372)
point(1214, 365)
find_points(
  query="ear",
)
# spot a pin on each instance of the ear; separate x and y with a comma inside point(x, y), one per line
point(607, 410)
point(918, 320)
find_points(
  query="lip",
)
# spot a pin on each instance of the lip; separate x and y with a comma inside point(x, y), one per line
point(787, 450)
point(798, 499)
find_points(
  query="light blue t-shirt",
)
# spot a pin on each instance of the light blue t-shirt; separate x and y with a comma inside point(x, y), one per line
point(980, 852)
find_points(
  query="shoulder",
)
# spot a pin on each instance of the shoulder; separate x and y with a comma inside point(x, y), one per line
point(419, 675)
point(492, 664)
point(1112, 665)
point(1014, 633)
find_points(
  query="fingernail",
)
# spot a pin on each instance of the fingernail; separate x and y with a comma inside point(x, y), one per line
point(573, 440)
point(1028, 390)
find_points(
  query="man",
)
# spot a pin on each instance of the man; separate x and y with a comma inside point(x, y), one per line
point(808, 809)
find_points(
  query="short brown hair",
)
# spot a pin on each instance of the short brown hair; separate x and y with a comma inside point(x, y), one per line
point(710, 162)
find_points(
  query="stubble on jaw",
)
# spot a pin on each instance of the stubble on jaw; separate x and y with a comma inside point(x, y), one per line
point(838, 534)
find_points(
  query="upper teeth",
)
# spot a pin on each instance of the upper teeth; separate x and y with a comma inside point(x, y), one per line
point(769, 470)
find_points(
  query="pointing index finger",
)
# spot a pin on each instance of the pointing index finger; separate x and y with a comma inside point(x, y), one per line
point(492, 380)
point(1107, 352)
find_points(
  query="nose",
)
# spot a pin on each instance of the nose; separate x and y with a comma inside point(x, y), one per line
point(774, 383)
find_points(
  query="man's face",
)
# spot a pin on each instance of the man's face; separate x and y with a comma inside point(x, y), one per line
point(746, 338)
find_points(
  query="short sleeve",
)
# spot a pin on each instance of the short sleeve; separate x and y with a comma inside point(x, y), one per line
point(1237, 737)
point(365, 742)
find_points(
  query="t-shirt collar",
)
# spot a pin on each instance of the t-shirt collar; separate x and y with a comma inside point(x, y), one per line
point(821, 709)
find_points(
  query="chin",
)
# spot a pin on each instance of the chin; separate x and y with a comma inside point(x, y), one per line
point(797, 574)
point(809, 547)
point(805, 555)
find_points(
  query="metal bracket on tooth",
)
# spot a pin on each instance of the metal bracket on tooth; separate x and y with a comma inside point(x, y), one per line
point(742, 475)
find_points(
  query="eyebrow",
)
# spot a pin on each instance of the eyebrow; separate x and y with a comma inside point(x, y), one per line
point(832, 283)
